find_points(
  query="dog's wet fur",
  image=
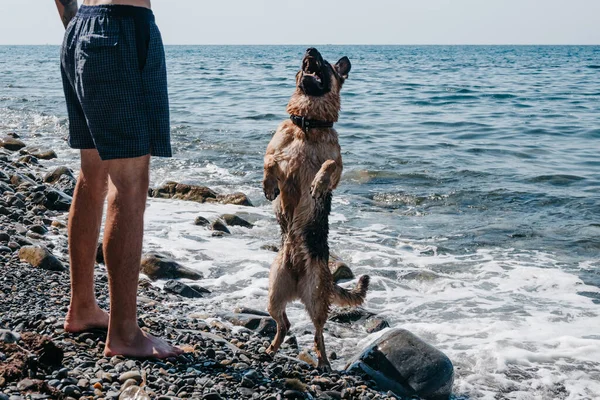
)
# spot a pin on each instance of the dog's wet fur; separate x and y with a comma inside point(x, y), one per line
point(302, 168)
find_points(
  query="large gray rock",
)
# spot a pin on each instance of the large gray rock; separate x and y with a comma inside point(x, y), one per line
point(41, 258)
point(401, 362)
point(158, 266)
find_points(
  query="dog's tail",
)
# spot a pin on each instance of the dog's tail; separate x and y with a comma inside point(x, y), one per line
point(351, 298)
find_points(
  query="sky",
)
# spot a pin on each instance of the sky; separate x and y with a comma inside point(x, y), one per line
point(337, 21)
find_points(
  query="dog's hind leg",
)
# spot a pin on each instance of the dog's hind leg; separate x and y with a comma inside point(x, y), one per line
point(315, 294)
point(281, 291)
point(318, 315)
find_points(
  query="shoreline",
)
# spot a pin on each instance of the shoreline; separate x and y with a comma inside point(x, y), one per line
point(222, 360)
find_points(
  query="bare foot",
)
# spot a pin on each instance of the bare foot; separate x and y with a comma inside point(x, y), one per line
point(142, 345)
point(85, 319)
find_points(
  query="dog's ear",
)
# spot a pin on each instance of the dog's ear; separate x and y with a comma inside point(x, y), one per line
point(343, 67)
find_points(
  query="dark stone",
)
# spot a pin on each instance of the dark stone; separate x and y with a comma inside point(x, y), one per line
point(350, 315)
point(246, 310)
point(401, 362)
point(340, 271)
point(234, 220)
point(99, 254)
point(267, 327)
point(212, 396)
point(249, 321)
point(201, 221)
point(218, 234)
point(219, 226)
point(376, 324)
point(158, 266)
point(270, 247)
point(10, 143)
point(39, 229)
point(41, 258)
point(200, 289)
point(4, 237)
point(57, 201)
point(181, 289)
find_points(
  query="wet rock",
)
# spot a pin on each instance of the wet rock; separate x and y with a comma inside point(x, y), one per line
point(340, 271)
point(183, 191)
point(57, 201)
point(249, 321)
point(376, 324)
point(8, 337)
point(200, 289)
point(219, 226)
point(424, 276)
point(234, 220)
point(39, 152)
point(350, 315)
point(238, 198)
point(201, 221)
point(270, 247)
point(39, 229)
point(401, 362)
point(158, 266)
point(267, 327)
point(246, 310)
point(10, 143)
point(41, 258)
point(181, 289)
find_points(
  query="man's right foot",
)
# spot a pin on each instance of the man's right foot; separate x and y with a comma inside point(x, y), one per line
point(140, 345)
point(82, 320)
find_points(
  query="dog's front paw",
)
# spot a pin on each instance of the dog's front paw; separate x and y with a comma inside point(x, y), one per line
point(319, 187)
point(271, 189)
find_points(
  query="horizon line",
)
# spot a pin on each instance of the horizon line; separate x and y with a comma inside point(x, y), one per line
point(337, 44)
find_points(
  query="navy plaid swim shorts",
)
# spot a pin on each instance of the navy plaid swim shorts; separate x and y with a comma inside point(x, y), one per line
point(115, 82)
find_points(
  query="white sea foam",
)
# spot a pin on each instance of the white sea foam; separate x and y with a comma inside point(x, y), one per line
point(512, 322)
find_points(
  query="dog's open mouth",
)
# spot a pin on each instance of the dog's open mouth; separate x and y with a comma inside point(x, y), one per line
point(315, 80)
point(312, 69)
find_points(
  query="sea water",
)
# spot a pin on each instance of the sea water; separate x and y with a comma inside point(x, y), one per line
point(469, 194)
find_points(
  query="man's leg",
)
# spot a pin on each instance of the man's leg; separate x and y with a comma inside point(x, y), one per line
point(85, 218)
point(128, 189)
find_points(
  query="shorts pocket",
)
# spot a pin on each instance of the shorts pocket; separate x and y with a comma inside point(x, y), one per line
point(98, 51)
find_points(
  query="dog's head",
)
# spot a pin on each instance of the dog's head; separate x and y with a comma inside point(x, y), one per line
point(318, 86)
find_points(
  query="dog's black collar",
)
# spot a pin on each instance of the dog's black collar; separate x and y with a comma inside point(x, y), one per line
point(305, 124)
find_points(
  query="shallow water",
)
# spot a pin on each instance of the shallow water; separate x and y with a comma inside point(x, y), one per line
point(469, 194)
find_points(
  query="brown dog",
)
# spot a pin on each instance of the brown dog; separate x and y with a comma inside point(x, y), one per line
point(303, 165)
